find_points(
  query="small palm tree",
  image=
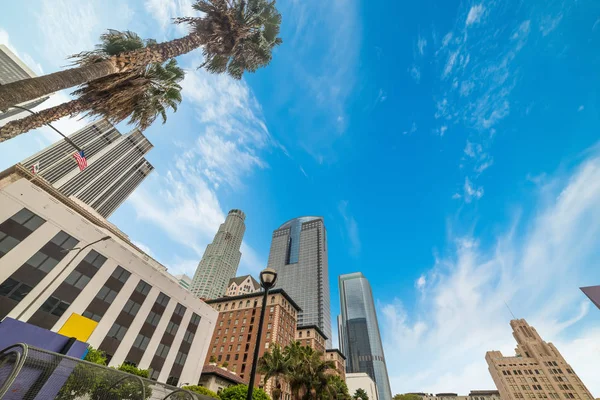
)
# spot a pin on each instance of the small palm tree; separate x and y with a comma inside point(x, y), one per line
point(139, 96)
point(273, 364)
point(235, 35)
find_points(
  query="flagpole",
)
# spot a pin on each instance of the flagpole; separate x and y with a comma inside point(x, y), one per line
point(56, 130)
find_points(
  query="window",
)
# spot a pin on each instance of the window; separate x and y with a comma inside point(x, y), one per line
point(272, 309)
point(106, 294)
point(180, 358)
point(42, 262)
point(155, 375)
point(195, 320)
point(55, 306)
point(141, 342)
point(14, 289)
point(180, 310)
point(188, 337)
point(143, 288)
point(95, 259)
point(172, 328)
point(92, 316)
point(117, 331)
point(163, 299)
point(17, 228)
point(240, 338)
point(64, 240)
point(162, 350)
point(131, 307)
point(77, 279)
point(121, 274)
point(236, 357)
point(173, 380)
point(153, 318)
point(232, 339)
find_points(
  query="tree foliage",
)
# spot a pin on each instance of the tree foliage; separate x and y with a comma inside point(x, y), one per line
point(95, 356)
point(202, 390)
point(407, 396)
point(360, 394)
point(239, 392)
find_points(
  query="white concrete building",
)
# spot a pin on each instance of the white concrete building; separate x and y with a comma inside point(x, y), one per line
point(144, 316)
point(361, 380)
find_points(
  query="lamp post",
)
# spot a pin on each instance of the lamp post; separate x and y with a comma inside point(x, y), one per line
point(63, 270)
point(268, 277)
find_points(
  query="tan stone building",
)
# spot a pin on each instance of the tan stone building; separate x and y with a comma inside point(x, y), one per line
point(234, 337)
point(311, 336)
point(537, 371)
point(340, 361)
point(473, 395)
point(218, 378)
point(242, 285)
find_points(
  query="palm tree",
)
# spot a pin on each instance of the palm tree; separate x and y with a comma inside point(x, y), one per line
point(139, 96)
point(273, 364)
point(235, 36)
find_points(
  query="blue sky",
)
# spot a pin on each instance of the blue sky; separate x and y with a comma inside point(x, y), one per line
point(450, 145)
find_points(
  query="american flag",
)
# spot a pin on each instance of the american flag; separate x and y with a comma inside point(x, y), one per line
point(81, 160)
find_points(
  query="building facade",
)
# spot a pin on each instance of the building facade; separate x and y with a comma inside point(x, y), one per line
point(473, 395)
point(299, 255)
point(235, 335)
point(242, 285)
point(339, 360)
point(221, 258)
point(218, 378)
point(359, 336)
point(593, 293)
point(116, 166)
point(361, 380)
point(537, 370)
point(49, 270)
point(311, 336)
point(13, 69)
point(184, 281)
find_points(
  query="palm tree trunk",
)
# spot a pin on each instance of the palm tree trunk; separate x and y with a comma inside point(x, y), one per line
point(32, 88)
point(15, 128)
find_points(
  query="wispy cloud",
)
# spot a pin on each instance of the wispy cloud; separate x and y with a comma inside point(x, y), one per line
point(580, 108)
point(461, 313)
point(351, 228)
point(421, 45)
point(549, 23)
point(475, 14)
point(415, 73)
point(471, 192)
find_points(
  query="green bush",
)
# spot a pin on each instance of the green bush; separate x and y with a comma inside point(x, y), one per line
point(202, 390)
point(239, 392)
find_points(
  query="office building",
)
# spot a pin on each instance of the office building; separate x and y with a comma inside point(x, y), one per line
point(12, 69)
point(339, 360)
point(221, 258)
point(361, 380)
point(52, 265)
point(593, 293)
point(235, 334)
point(536, 370)
point(311, 336)
point(473, 395)
point(359, 336)
point(184, 281)
point(116, 166)
point(299, 255)
point(242, 285)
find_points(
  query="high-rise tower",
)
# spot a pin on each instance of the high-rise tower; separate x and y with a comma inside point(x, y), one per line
point(299, 255)
point(221, 259)
point(12, 69)
point(359, 336)
point(116, 165)
point(537, 370)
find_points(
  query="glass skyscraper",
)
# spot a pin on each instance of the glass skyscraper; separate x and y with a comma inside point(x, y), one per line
point(299, 255)
point(358, 330)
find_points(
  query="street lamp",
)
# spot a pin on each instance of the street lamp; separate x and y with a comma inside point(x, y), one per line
point(63, 270)
point(268, 277)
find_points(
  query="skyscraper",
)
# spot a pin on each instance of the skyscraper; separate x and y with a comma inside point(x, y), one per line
point(13, 69)
point(593, 293)
point(221, 259)
point(116, 165)
point(299, 255)
point(537, 370)
point(359, 336)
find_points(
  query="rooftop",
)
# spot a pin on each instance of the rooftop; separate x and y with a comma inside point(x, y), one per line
point(223, 373)
point(287, 224)
point(315, 327)
point(255, 294)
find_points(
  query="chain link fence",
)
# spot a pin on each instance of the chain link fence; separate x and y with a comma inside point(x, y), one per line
point(28, 373)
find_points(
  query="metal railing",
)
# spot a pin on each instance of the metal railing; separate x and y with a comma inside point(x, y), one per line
point(28, 373)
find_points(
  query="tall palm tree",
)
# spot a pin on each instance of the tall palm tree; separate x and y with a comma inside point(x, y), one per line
point(273, 364)
point(235, 36)
point(140, 96)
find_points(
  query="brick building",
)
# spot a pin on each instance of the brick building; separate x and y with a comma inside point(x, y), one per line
point(339, 359)
point(311, 336)
point(538, 370)
point(234, 337)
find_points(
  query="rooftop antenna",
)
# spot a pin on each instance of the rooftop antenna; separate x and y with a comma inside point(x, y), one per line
point(509, 310)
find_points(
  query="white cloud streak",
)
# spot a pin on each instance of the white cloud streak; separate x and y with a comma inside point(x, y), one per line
point(536, 266)
point(351, 228)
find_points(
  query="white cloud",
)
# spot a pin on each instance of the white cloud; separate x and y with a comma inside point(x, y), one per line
point(381, 96)
point(461, 313)
point(421, 44)
point(143, 247)
point(549, 24)
point(303, 171)
point(475, 14)
point(421, 282)
point(443, 130)
point(413, 129)
point(415, 73)
point(163, 11)
point(351, 228)
point(581, 108)
point(471, 192)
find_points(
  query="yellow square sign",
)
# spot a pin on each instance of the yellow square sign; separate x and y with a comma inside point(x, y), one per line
point(79, 327)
